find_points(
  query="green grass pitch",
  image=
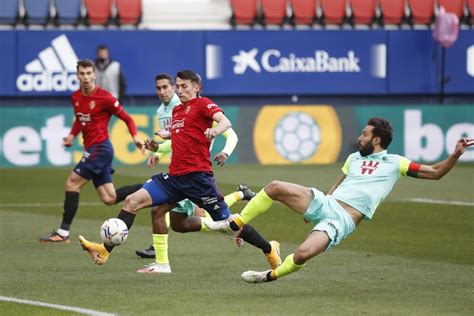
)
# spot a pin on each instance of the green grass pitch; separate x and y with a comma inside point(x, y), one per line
point(412, 258)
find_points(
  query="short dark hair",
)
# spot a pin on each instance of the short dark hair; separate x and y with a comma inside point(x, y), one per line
point(101, 47)
point(382, 129)
point(85, 63)
point(189, 75)
point(165, 76)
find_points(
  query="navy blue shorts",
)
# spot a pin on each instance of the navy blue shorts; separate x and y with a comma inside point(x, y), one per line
point(199, 187)
point(96, 163)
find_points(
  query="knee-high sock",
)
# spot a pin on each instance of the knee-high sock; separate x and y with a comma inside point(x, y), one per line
point(258, 205)
point(253, 237)
point(123, 192)
point(160, 243)
point(71, 204)
point(232, 198)
point(288, 266)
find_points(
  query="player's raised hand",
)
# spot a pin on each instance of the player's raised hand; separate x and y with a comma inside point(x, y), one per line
point(153, 161)
point(221, 158)
point(163, 134)
point(68, 140)
point(462, 144)
point(210, 133)
point(151, 145)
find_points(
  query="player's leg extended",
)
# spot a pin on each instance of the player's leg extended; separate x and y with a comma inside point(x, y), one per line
point(294, 196)
point(315, 243)
point(133, 203)
point(73, 185)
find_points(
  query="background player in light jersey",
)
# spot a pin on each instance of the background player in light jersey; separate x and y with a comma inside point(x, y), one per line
point(190, 171)
point(368, 177)
point(93, 107)
point(165, 90)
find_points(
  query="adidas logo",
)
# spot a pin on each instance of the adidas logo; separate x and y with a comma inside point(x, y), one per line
point(53, 70)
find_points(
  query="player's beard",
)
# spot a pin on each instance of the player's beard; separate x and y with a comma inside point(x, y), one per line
point(366, 150)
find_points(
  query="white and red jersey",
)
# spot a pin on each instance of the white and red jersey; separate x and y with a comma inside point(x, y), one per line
point(189, 145)
point(93, 114)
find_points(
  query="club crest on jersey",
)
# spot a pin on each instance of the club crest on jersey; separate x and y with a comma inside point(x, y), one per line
point(186, 111)
point(92, 105)
point(368, 167)
point(76, 104)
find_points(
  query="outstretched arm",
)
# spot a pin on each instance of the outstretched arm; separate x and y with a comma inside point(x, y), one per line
point(437, 171)
point(132, 128)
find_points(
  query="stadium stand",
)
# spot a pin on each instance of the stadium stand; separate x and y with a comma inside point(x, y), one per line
point(98, 12)
point(244, 12)
point(422, 11)
point(273, 12)
point(68, 12)
point(129, 11)
point(9, 11)
point(304, 11)
point(186, 14)
point(393, 11)
point(334, 11)
point(453, 6)
point(37, 12)
point(363, 11)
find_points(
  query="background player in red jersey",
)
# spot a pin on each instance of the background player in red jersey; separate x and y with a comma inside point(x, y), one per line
point(93, 107)
point(190, 171)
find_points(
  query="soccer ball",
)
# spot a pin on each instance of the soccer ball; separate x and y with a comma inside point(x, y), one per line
point(113, 232)
point(297, 136)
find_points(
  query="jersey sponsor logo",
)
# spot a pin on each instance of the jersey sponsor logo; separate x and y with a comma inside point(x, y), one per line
point(117, 103)
point(369, 167)
point(83, 117)
point(53, 70)
point(212, 105)
point(176, 125)
point(92, 105)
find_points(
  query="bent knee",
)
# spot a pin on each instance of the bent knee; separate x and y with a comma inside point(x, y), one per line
point(301, 255)
point(273, 188)
point(109, 200)
point(177, 227)
point(131, 203)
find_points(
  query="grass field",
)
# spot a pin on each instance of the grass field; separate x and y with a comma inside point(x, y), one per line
point(411, 259)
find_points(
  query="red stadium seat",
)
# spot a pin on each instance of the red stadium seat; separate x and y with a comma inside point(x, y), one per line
point(304, 11)
point(129, 11)
point(393, 11)
point(363, 11)
point(453, 6)
point(334, 11)
point(244, 12)
point(99, 12)
point(422, 11)
point(274, 11)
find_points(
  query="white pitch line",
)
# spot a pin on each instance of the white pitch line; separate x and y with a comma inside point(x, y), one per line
point(55, 306)
point(443, 202)
point(47, 204)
